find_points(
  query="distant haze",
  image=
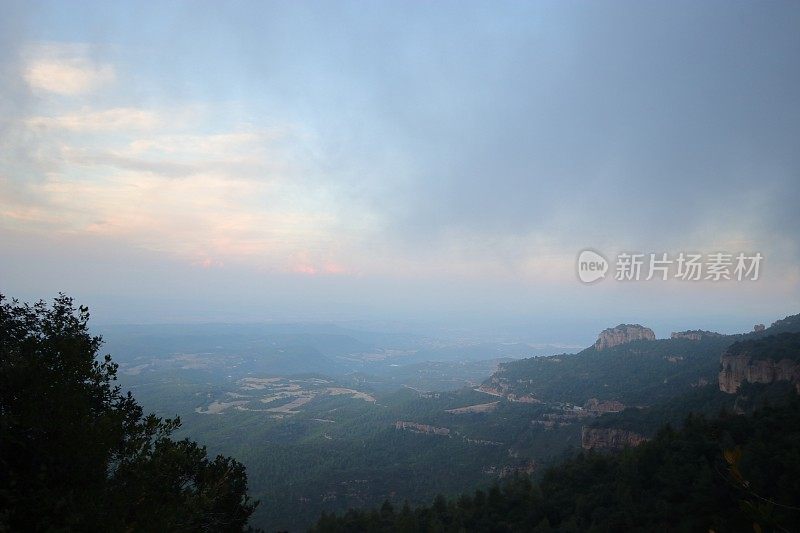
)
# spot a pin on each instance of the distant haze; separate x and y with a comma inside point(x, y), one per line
point(426, 164)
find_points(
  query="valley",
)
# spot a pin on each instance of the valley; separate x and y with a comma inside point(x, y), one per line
point(371, 429)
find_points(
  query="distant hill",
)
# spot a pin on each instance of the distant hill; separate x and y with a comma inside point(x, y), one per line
point(755, 370)
point(278, 349)
point(284, 349)
point(636, 373)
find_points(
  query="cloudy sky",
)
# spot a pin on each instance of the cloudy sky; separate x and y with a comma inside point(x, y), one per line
point(399, 161)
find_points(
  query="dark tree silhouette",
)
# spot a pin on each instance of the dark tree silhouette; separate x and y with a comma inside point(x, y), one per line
point(77, 453)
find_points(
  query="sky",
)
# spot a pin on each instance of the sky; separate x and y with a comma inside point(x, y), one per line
point(399, 162)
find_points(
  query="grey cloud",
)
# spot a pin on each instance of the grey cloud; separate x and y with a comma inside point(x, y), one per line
point(639, 124)
point(645, 121)
point(635, 122)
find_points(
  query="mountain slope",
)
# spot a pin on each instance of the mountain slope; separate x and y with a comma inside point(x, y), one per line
point(640, 372)
point(754, 371)
point(730, 474)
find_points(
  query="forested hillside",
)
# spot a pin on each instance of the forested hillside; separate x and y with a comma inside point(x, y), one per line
point(731, 473)
point(608, 492)
point(317, 444)
point(637, 373)
point(785, 345)
point(771, 351)
point(314, 443)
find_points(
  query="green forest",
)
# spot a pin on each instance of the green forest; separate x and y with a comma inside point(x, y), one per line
point(79, 452)
point(729, 473)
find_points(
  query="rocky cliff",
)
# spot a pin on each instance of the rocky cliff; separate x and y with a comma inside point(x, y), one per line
point(421, 428)
point(593, 405)
point(621, 334)
point(694, 335)
point(743, 368)
point(609, 438)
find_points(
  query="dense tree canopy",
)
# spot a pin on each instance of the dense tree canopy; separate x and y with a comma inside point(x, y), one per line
point(735, 473)
point(785, 345)
point(78, 453)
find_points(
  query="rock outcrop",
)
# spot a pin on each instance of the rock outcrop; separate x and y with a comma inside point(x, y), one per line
point(525, 468)
point(742, 368)
point(497, 387)
point(523, 398)
point(694, 335)
point(479, 408)
point(758, 328)
point(622, 334)
point(595, 406)
point(609, 438)
point(421, 428)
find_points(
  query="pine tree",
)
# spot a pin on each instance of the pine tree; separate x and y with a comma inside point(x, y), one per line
point(77, 453)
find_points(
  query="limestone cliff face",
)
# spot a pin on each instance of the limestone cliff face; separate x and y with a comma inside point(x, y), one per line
point(694, 335)
point(595, 406)
point(621, 334)
point(609, 438)
point(421, 428)
point(742, 368)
